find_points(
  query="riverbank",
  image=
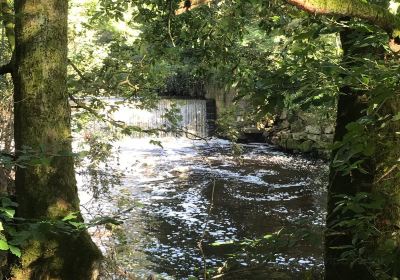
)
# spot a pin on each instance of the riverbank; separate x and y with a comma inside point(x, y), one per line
point(303, 133)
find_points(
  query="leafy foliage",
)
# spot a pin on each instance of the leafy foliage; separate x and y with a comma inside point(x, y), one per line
point(273, 56)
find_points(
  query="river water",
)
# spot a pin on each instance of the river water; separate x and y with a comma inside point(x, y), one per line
point(258, 214)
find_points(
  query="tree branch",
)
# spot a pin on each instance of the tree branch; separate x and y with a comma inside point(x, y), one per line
point(169, 24)
point(79, 72)
point(82, 105)
point(372, 13)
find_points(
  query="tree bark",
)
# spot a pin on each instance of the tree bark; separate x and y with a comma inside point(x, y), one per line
point(375, 14)
point(42, 124)
point(352, 105)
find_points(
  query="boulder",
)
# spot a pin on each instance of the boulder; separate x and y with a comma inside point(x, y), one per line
point(314, 137)
point(252, 130)
point(283, 115)
point(285, 124)
point(299, 135)
point(329, 129)
point(306, 146)
point(327, 138)
point(284, 134)
point(311, 129)
point(297, 126)
point(292, 144)
point(275, 140)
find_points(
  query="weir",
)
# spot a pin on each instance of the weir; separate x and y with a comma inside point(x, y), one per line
point(197, 116)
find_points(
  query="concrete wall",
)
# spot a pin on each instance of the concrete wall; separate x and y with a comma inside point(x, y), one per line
point(223, 98)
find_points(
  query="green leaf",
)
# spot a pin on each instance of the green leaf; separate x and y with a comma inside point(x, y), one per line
point(268, 236)
point(8, 211)
point(15, 250)
point(356, 208)
point(396, 117)
point(3, 245)
point(6, 202)
point(157, 143)
point(77, 224)
point(70, 216)
point(219, 243)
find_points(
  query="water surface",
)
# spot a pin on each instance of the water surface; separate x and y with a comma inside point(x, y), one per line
point(187, 192)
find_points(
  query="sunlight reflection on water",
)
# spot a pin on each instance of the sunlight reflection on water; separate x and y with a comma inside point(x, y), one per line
point(170, 191)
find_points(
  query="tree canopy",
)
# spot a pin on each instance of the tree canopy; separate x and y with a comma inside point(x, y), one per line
point(324, 56)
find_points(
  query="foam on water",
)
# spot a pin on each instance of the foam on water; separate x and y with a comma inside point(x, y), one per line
point(172, 189)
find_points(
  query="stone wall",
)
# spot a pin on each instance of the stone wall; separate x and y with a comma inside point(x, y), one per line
point(306, 132)
point(223, 98)
point(302, 132)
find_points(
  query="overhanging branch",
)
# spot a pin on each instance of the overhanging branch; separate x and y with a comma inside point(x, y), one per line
point(82, 105)
point(374, 14)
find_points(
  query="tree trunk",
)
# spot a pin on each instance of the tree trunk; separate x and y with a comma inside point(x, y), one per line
point(42, 124)
point(350, 108)
point(387, 184)
point(352, 105)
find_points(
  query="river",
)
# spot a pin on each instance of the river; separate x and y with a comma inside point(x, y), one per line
point(258, 214)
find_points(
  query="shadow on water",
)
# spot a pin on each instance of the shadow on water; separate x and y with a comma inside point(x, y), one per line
point(265, 222)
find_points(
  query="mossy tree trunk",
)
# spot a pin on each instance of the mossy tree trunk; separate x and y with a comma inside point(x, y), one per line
point(42, 124)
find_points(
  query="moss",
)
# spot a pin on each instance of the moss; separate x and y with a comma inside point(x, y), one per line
point(42, 123)
point(291, 144)
point(59, 209)
point(306, 146)
point(32, 254)
point(59, 257)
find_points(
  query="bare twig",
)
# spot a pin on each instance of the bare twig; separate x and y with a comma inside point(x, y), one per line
point(169, 23)
point(79, 72)
point(200, 243)
point(388, 172)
